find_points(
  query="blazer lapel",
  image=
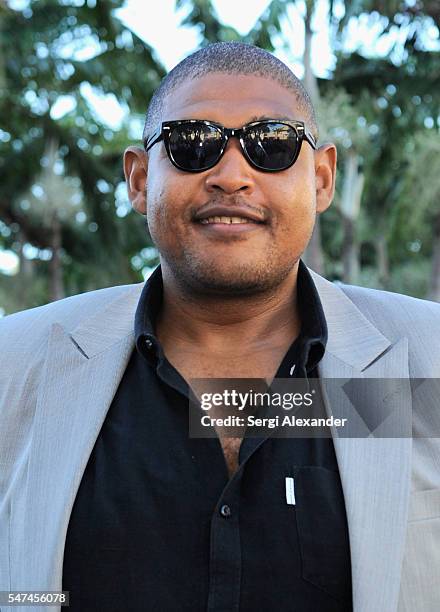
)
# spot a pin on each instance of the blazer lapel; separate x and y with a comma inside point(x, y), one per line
point(375, 471)
point(82, 373)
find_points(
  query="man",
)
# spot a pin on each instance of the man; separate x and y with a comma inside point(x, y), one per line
point(105, 495)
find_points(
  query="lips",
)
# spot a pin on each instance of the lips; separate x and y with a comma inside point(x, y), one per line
point(226, 220)
point(228, 215)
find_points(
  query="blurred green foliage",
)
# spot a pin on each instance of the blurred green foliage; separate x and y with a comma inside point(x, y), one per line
point(62, 185)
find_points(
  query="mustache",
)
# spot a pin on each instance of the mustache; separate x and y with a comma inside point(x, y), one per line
point(233, 200)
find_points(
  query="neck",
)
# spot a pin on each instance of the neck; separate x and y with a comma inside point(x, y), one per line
point(235, 325)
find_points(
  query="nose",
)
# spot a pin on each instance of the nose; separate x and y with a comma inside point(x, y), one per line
point(232, 173)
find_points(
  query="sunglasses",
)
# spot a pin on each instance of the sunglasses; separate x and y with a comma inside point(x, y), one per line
point(195, 145)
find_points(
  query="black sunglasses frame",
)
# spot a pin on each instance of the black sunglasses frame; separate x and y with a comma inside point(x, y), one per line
point(164, 132)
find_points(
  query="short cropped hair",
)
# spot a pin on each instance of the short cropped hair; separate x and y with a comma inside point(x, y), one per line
point(229, 58)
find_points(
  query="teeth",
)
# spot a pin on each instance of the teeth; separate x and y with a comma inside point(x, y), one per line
point(226, 220)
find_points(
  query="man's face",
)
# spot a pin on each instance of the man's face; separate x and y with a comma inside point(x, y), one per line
point(230, 259)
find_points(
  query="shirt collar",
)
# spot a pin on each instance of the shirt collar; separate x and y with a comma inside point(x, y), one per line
point(310, 344)
point(145, 318)
point(314, 334)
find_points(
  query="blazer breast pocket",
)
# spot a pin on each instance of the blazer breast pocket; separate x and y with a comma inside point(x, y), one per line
point(420, 582)
point(322, 531)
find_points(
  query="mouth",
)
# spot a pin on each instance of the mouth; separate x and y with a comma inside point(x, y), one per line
point(223, 220)
point(229, 220)
point(223, 227)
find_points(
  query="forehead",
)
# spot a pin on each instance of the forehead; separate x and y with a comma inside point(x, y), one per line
point(231, 99)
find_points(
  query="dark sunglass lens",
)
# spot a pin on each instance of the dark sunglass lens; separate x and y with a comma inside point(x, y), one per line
point(272, 146)
point(195, 146)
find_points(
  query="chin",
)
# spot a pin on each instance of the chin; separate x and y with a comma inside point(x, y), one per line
point(241, 280)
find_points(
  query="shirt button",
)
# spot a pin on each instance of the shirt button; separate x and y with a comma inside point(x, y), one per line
point(225, 511)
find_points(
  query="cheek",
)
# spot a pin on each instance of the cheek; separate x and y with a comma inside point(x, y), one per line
point(155, 210)
point(164, 212)
point(159, 219)
point(298, 210)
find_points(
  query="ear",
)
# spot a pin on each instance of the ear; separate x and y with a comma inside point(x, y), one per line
point(135, 171)
point(325, 173)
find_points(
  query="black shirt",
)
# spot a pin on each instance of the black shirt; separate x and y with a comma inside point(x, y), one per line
point(157, 522)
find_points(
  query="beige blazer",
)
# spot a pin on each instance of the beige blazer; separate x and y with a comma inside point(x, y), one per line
point(60, 366)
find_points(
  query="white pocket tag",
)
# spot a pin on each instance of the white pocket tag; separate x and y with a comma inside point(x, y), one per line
point(290, 491)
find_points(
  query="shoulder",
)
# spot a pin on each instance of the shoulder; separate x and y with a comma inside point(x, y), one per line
point(394, 310)
point(400, 316)
point(395, 316)
point(384, 309)
point(28, 328)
